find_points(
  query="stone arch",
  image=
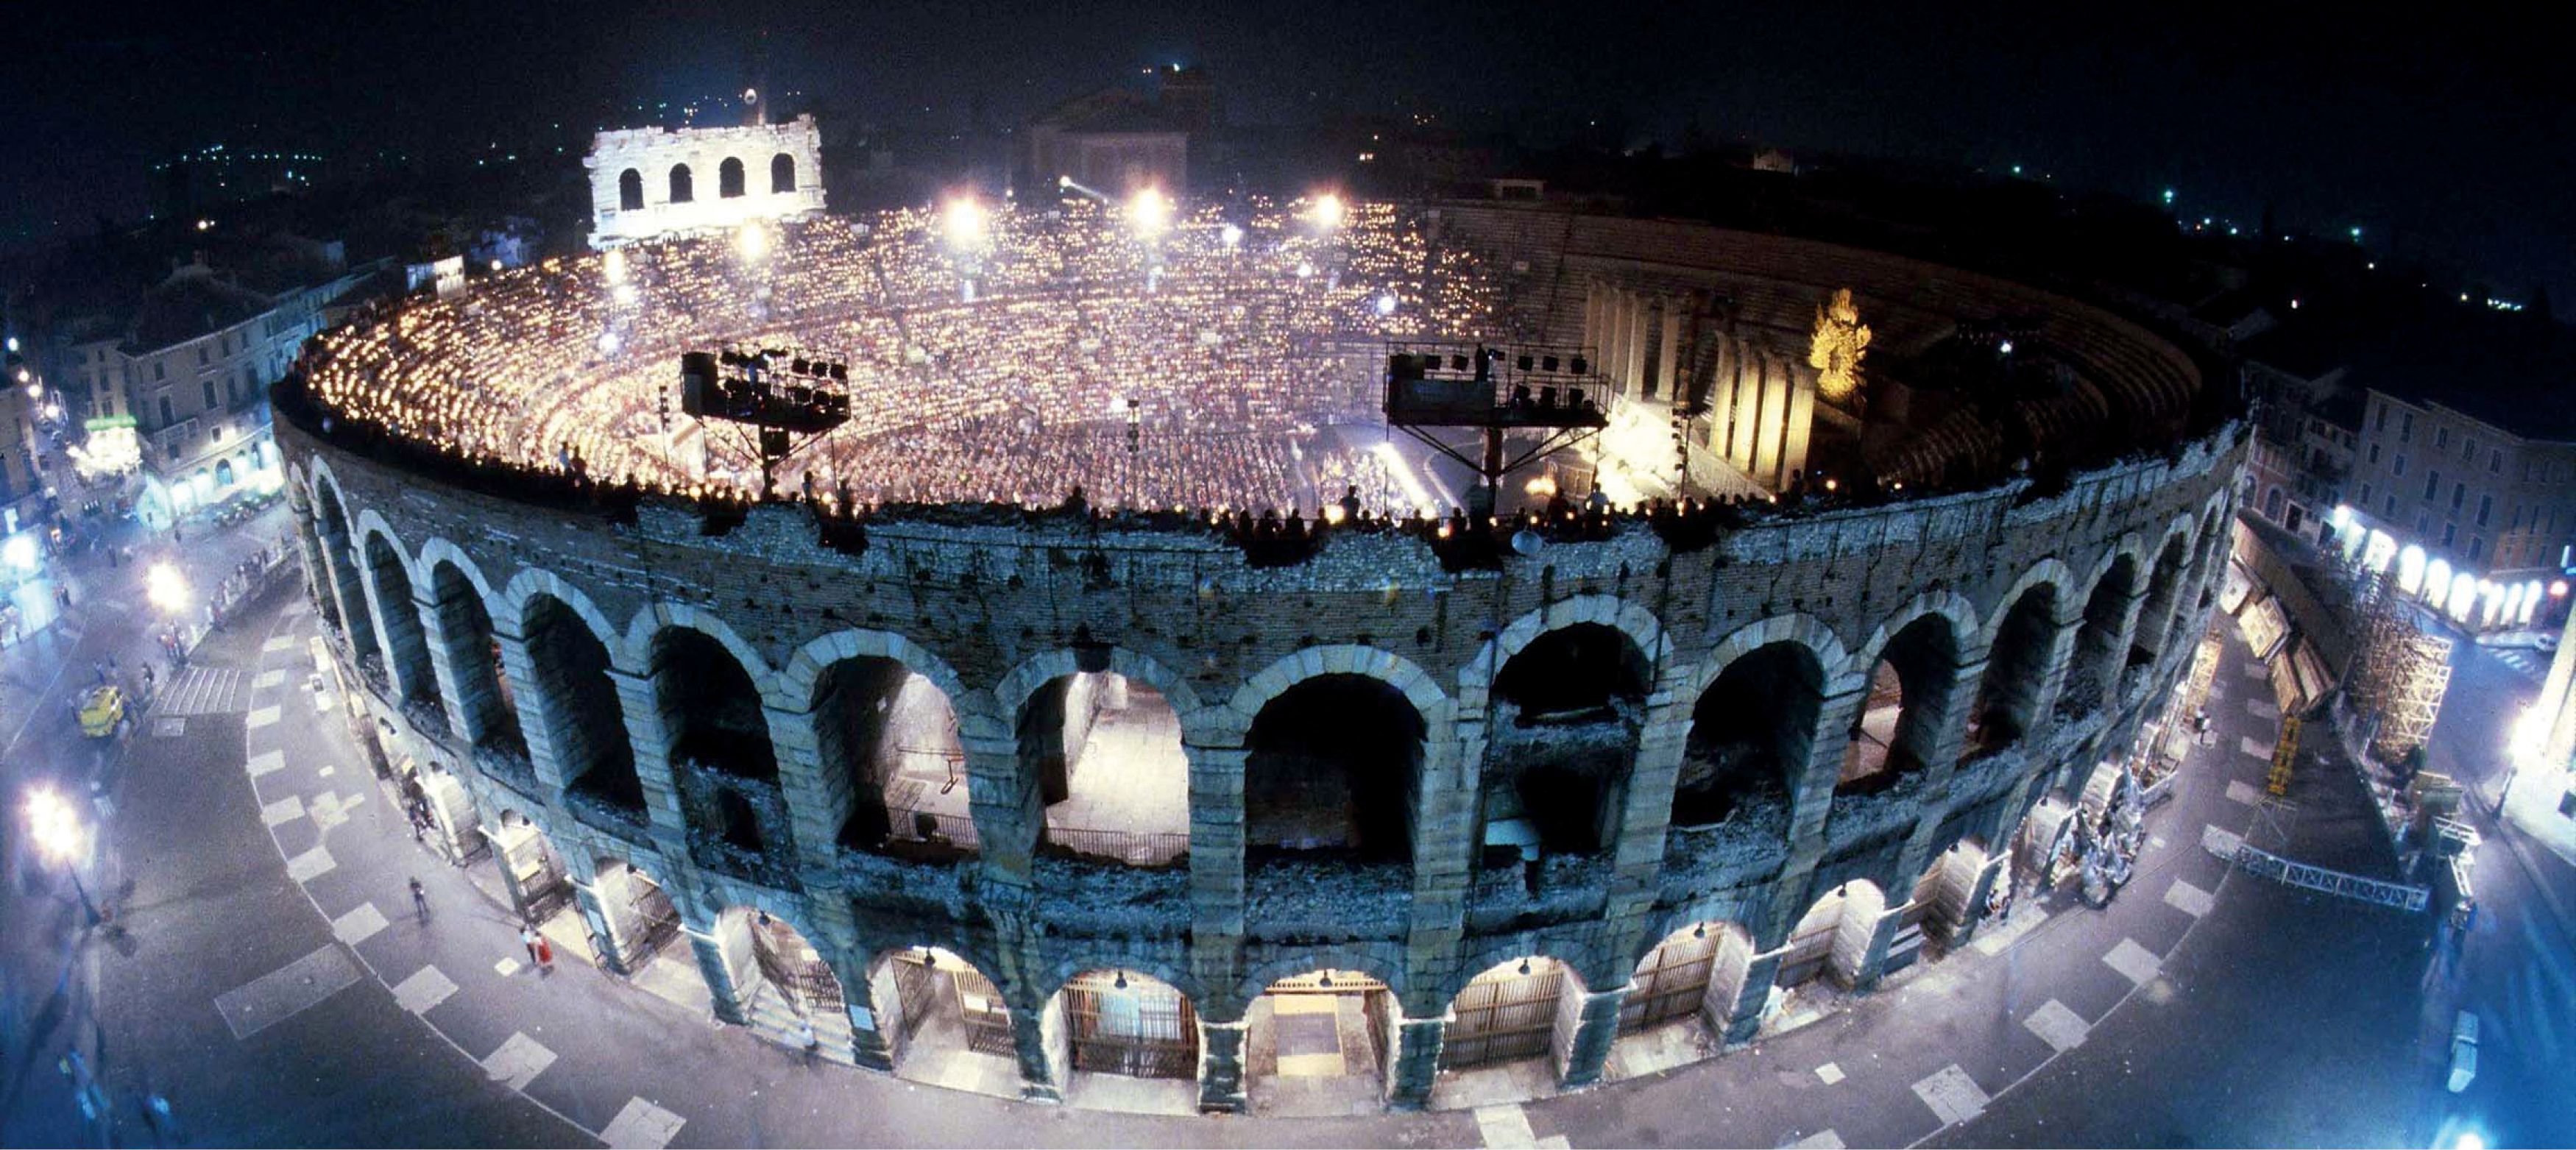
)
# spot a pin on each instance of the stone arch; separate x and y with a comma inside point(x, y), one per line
point(650, 622)
point(630, 191)
point(792, 688)
point(1038, 670)
point(1832, 658)
point(1964, 628)
point(437, 549)
point(879, 706)
point(1383, 961)
point(1105, 744)
point(1910, 682)
point(339, 544)
point(392, 582)
point(1629, 618)
point(1408, 679)
point(729, 181)
point(782, 174)
point(1485, 955)
point(1065, 968)
point(682, 191)
point(575, 716)
point(2164, 586)
point(532, 582)
point(2018, 645)
point(707, 717)
point(2051, 570)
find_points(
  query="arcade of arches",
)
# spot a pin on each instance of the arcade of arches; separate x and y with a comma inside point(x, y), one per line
point(876, 759)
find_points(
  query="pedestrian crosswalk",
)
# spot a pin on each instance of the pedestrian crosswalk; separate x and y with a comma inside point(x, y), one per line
point(2532, 664)
point(204, 691)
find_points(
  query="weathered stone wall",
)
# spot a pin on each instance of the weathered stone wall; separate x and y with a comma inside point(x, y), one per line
point(653, 153)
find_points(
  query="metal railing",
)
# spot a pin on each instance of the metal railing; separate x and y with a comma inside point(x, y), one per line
point(1135, 848)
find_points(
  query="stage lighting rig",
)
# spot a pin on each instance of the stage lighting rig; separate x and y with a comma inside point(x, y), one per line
point(785, 396)
point(1551, 394)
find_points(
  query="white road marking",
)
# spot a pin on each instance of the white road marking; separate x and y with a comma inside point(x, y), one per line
point(280, 643)
point(311, 864)
point(2134, 962)
point(2222, 843)
point(506, 967)
point(2239, 791)
point(1505, 1125)
point(287, 991)
point(262, 717)
point(1952, 1095)
point(358, 925)
point(1829, 1073)
point(518, 1062)
point(641, 1126)
point(266, 762)
point(285, 810)
point(2255, 747)
point(426, 988)
point(1820, 1140)
point(2262, 708)
point(2189, 899)
point(2061, 1028)
point(268, 679)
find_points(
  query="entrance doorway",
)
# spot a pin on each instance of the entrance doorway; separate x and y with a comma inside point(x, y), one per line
point(1320, 1044)
point(943, 1022)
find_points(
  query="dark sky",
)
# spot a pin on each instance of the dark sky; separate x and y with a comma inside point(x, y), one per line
point(2440, 129)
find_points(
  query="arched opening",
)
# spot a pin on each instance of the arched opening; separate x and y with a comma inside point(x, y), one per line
point(1106, 751)
point(1523, 1008)
point(223, 473)
point(1832, 939)
point(1128, 1024)
point(2157, 616)
point(531, 875)
point(782, 173)
point(642, 928)
point(1750, 735)
point(782, 982)
point(484, 696)
point(710, 706)
point(681, 192)
point(1681, 998)
point(729, 179)
point(2016, 671)
point(1940, 906)
point(2095, 670)
point(1332, 764)
point(888, 737)
point(1567, 711)
point(578, 708)
point(341, 564)
point(1898, 729)
point(630, 190)
point(406, 651)
point(1318, 1045)
point(943, 1022)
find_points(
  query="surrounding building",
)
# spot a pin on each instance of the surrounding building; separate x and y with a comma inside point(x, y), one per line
point(1113, 141)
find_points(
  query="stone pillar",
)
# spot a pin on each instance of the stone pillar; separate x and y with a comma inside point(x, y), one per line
point(858, 1000)
point(2065, 632)
point(1415, 1067)
point(814, 820)
point(1633, 370)
point(537, 698)
point(1873, 963)
point(1031, 1034)
point(1812, 794)
point(1221, 1066)
point(398, 634)
point(1744, 1015)
point(718, 973)
point(1987, 876)
point(357, 621)
point(1668, 354)
point(1006, 805)
point(460, 659)
point(650, 734)
point(1593, 1037)
point(1945, 741)
point(603, 932)
point(1216, 862)
point(1445, 847)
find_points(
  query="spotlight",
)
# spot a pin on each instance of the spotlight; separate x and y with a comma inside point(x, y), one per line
point(1328, 211)
point(1231, 235)
point(965, 223)
point(1149, 211)
point(1386, 304)
point(752, 241)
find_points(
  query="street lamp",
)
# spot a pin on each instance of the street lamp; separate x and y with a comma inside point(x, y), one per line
point(54, 825)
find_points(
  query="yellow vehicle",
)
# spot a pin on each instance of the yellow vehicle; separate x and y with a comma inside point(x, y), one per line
point(102, 710)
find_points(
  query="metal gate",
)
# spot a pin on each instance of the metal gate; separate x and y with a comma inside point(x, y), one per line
point(986, 1018)
point(1143, 1029)
point(916, 989)
point(1810, 950)
point(1671, 983)
point(1500, 1017)
point(793, 966)
point(650, 922)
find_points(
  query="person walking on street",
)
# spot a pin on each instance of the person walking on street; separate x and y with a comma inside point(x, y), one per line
point(528, 938)
point(545, 955)
point(419, 899)
point(807, 1040)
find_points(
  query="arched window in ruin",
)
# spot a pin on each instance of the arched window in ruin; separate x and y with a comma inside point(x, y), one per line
point(577, 703)
point(710, 707)
point(681, 192)
point(1567, 712)
point(887, 739)
point(729, 179)
point(341, 564)
point(1900, 720)
point(782, 173)
point(484, 693)
point(2157, 616)
point(1750, 735)
point(1332, 764)
point(408, 654)
point(2095, 670)
point(1106, 751)
point(630, 190)
point(2016, 671)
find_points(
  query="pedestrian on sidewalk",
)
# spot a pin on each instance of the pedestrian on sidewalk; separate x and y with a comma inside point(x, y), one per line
point(545, 955)
point(807, 1040)
point(528, 938)
point(419, 899)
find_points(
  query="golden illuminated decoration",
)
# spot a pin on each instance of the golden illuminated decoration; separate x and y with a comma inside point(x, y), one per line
point(1840, 341)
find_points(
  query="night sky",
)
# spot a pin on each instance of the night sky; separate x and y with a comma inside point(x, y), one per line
point(2444, 140)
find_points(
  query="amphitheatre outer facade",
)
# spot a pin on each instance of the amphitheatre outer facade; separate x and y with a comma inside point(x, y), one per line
point(552, 674)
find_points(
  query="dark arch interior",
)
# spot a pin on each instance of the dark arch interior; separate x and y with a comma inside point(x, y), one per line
point(735, 822)
point(587, 728)
point(1568, 711)
point(710, 705)
point(630, 190)
point(2095, 670)
point(681, 192)
point(482, 683)
point(1909, 697)
point(359, 624)
point(1106, 752)
point(1333, 765)
point(1750, 733)
point(2016, 668)
point(782, 173)
point(410, 654)
point(889, 737)
point(1573, 672)
point(2157, 616)
point(729, 178)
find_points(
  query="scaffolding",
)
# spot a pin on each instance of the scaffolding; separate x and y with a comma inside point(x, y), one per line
point(2402, 673)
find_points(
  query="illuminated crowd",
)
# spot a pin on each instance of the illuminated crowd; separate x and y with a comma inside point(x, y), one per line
point(1155, 358)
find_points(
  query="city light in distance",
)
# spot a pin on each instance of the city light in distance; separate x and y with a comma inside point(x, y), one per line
point(1386, 304)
